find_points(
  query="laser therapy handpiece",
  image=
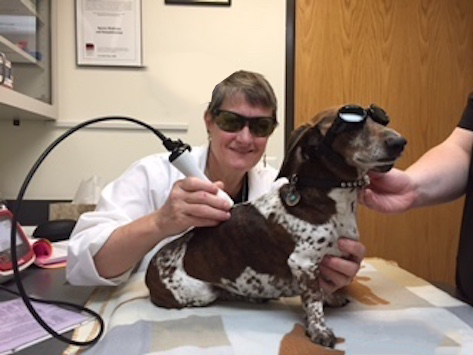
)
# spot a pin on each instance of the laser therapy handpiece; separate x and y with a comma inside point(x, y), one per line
point(181, 158)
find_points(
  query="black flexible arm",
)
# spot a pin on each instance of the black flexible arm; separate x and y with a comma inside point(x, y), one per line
point(169, 144)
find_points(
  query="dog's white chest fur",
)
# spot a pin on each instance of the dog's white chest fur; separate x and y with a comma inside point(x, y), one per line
point(314, 241)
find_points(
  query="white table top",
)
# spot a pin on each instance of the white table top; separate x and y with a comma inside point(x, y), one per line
point(391, 312)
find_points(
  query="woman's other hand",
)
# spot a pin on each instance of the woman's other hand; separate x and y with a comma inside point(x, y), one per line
point(337, 272)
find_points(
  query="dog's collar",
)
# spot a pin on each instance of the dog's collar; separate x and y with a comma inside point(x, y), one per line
point(293, 196)
point(329, 183)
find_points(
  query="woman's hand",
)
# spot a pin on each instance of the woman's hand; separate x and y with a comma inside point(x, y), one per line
point(191, 203)
point(337, 272)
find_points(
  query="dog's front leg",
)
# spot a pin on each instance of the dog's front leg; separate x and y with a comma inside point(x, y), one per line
point(313, 301)
point(304, 267)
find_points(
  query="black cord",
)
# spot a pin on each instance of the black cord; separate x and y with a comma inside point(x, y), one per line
point(169, 145)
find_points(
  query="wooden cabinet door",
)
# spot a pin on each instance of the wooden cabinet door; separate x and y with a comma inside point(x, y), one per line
point(414, 58)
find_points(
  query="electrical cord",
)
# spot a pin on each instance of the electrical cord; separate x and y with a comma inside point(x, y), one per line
point(169, 144)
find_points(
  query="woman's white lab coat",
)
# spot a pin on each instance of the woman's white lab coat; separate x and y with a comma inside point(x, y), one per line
point(142, 189)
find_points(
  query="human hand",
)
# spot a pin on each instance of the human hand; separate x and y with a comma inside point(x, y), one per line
point(192, 203)
point(337, 272)
point(390, 192)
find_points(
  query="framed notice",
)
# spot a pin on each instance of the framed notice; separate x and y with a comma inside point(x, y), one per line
point(108, 33)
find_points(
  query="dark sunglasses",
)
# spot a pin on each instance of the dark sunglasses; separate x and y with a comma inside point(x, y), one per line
point(357, 114)
point(352, 116)
point(233, 122)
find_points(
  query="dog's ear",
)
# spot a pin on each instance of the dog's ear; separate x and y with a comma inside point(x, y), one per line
point(292, 157)
point(315, 138)
point(305, 140)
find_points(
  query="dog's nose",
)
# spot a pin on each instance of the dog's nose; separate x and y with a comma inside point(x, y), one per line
point(395, 145)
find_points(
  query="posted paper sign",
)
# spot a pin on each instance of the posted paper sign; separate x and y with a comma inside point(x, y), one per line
point(108, 32)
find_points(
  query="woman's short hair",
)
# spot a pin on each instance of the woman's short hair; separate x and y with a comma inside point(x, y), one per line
point(255, 89)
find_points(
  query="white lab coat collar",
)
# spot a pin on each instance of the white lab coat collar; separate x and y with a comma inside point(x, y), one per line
point(255, 175)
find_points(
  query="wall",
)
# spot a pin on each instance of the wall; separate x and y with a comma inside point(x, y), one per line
point(187, 50)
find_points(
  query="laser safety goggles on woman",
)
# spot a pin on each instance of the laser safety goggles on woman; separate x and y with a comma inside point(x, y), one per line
point(229, 121)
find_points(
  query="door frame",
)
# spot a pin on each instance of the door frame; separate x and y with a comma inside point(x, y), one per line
point(290, 68)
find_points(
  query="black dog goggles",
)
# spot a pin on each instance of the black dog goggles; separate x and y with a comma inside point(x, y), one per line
point(357, 114)
point(233, 122)
point(351, 117)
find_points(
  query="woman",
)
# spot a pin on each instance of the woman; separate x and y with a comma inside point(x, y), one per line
point(152, 201)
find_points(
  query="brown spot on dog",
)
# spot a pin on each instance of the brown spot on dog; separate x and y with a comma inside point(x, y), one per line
point(226, 250)
point(160, 295)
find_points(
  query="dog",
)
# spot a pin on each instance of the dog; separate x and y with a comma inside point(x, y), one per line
point(272, 247)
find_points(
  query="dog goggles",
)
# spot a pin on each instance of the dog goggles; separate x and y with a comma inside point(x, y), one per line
point(233, 122)
point(357, 114)
point(352, 116)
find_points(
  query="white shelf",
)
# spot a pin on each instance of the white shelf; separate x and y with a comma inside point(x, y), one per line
point(14, 105)
point(18, 7)
point(14, 53)
point(31, 96)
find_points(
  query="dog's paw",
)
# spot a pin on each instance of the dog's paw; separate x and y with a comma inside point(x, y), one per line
point(325, 337)
point(335, 300)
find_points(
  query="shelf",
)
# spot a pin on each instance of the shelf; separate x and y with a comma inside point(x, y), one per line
point(14, 53)
point(27, 22)
point(14, 105)
point(18, 7)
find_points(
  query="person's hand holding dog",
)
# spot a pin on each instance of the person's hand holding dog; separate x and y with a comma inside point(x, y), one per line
point(390, 192)
point(338, 272)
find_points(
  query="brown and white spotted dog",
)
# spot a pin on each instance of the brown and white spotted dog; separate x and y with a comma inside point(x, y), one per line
point(272, 247)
